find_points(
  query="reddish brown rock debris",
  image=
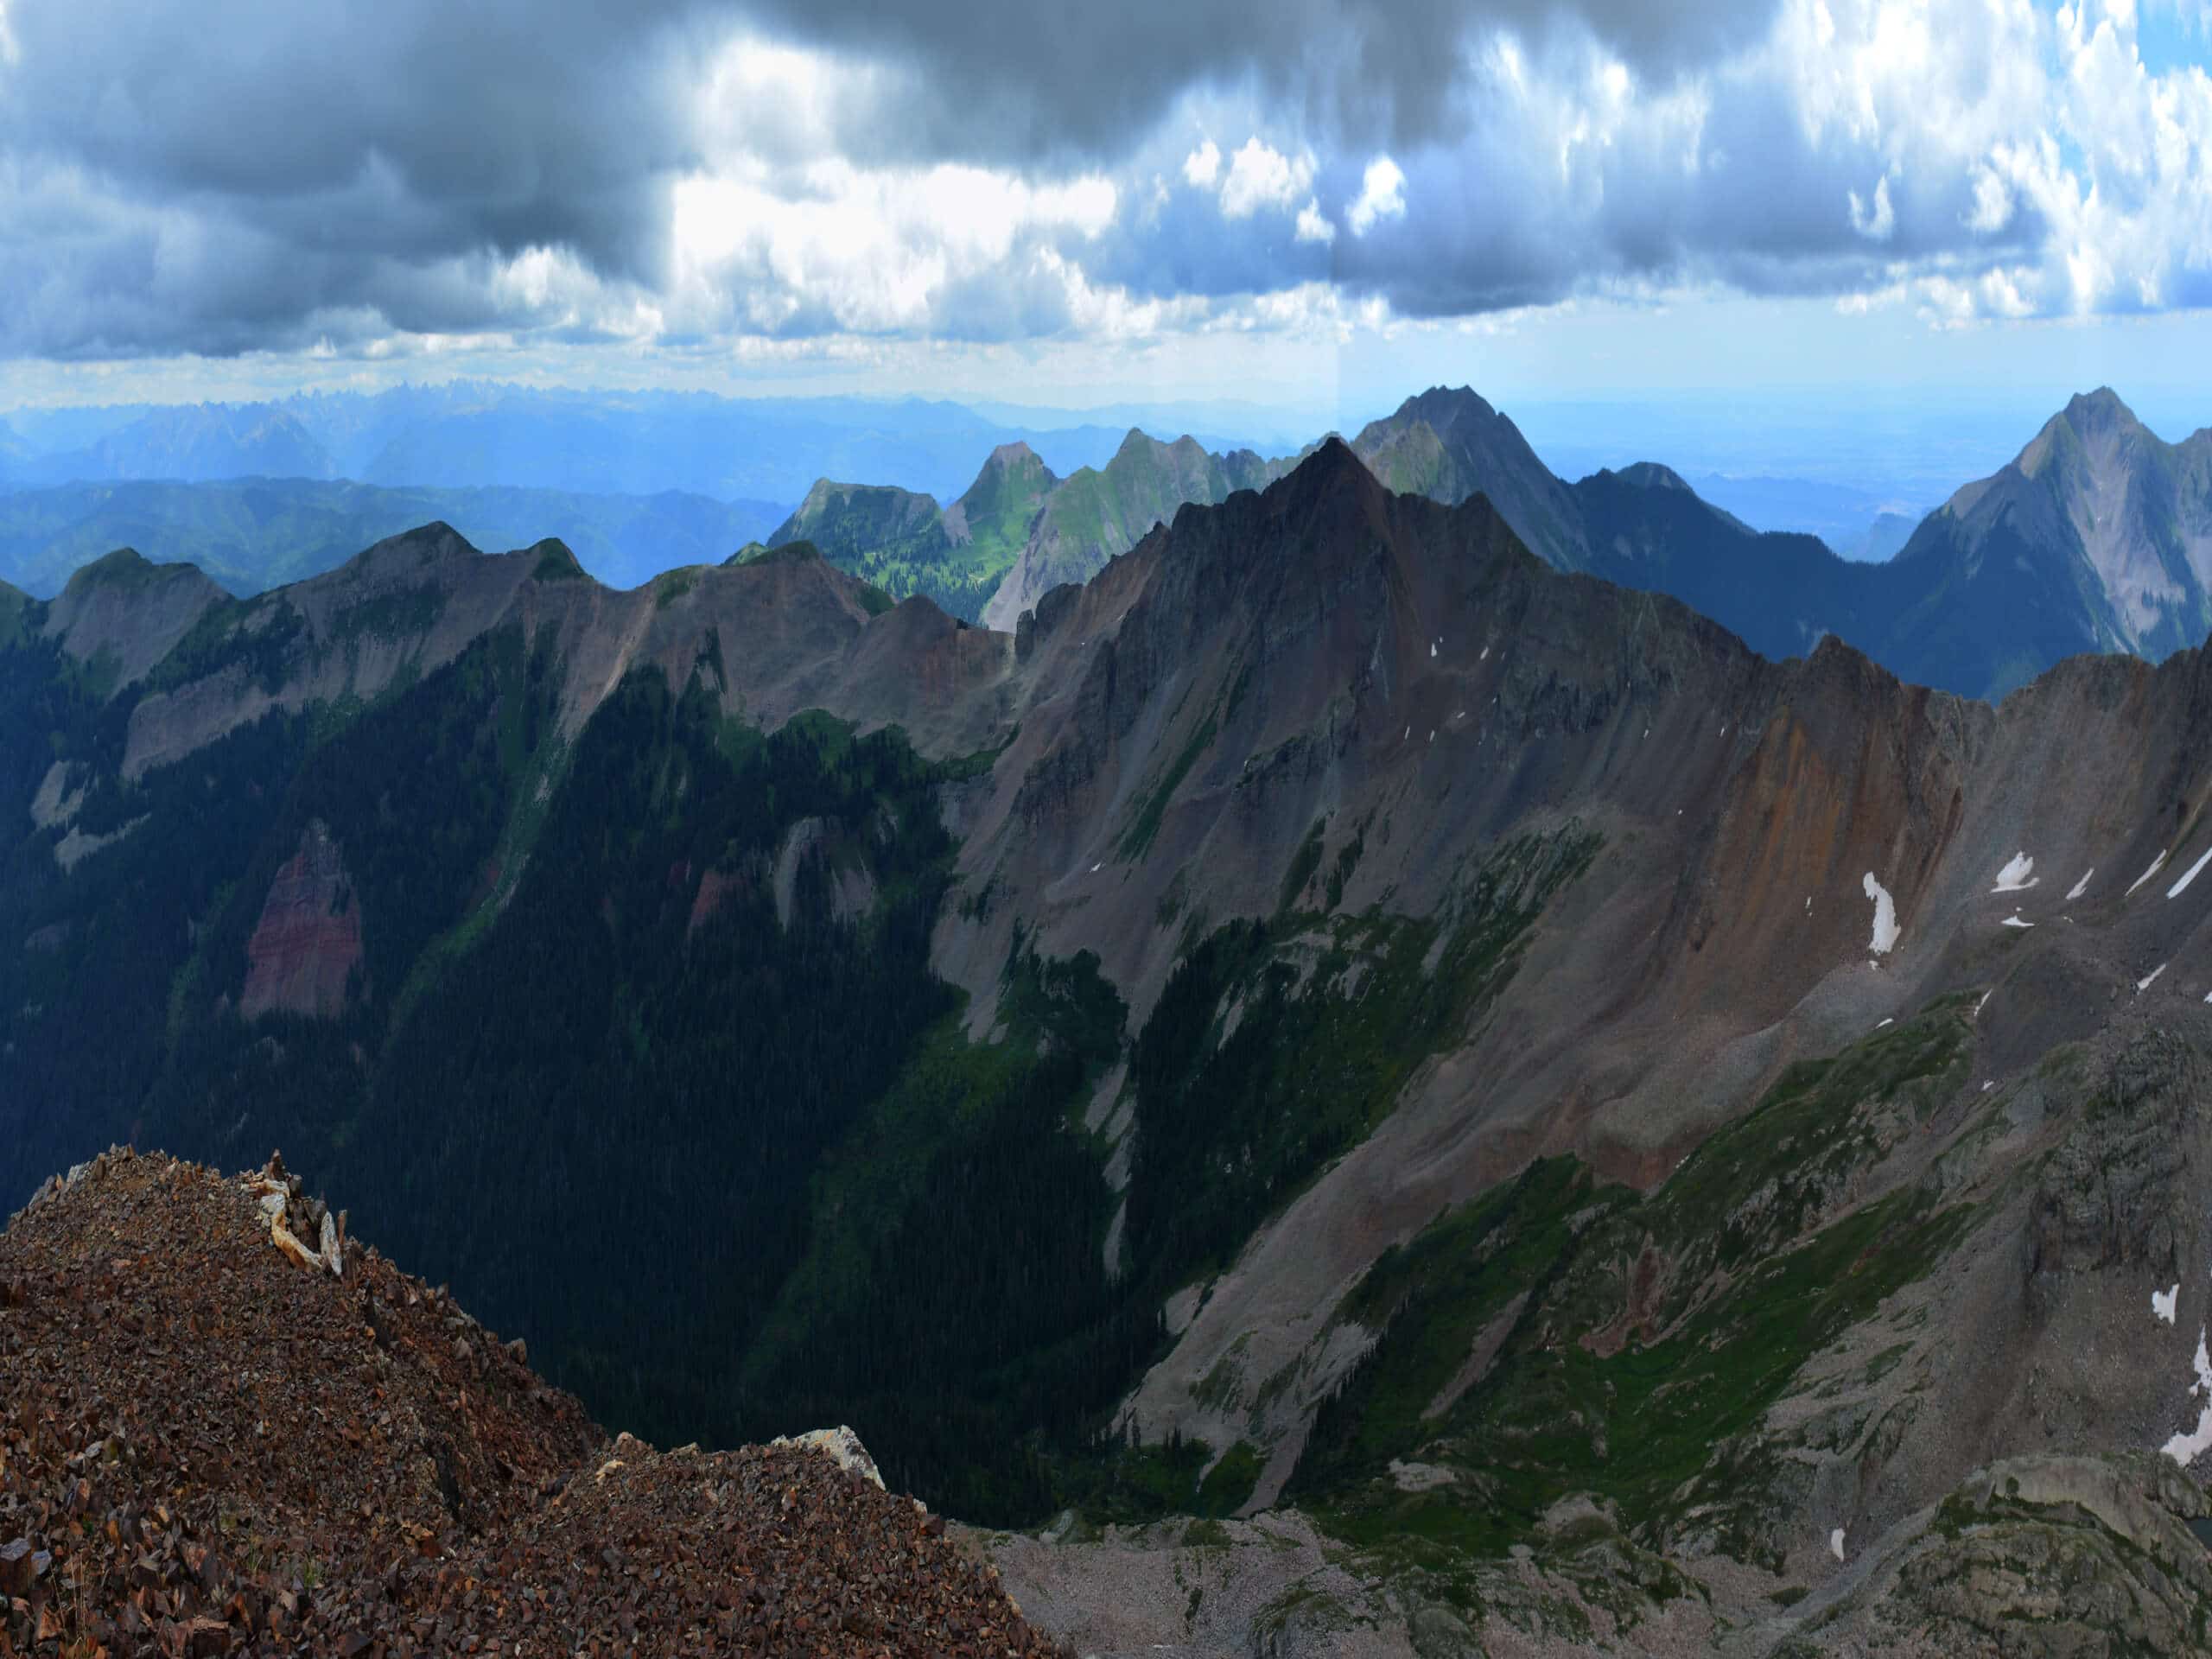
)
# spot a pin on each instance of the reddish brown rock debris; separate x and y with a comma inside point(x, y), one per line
point(205, 1448)
point(307, 942)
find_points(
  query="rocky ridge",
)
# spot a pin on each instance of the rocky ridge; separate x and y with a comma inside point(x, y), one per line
point(214, 1439)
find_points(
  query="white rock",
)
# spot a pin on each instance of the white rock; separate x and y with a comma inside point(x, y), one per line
point(839, 1444)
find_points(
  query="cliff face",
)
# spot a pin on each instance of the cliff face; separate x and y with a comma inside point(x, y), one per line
point(302, 955)
point(121, 615)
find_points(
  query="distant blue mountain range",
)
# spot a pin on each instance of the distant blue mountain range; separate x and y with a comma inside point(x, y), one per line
point(476, 434)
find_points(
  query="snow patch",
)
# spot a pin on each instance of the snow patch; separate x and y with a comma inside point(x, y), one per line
point(1891, 1021)
point(1094, 869)
point(1989, 1085)
point(1485, 653)
point(1432, 649)
point(2157, 864)
point(1885, 916)
point(1984, 1003)
point(2189, 875)
point(1835, 1543)
point(2144, 983)
point(2017, 876)
point(2083, 885)
point(2185, 1449)
point(2162, 1303)
point(2013, 920)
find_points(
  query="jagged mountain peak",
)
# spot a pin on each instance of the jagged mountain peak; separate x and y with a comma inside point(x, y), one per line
point(2094, 426)
point(1444, 407)
point(2090, 411)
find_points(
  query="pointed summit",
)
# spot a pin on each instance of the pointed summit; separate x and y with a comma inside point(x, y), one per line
point(1135, 442)
point(1331, 463)
point(2099, 411)
point(1447, 407)
point(1448, 444)
point(1008, 456)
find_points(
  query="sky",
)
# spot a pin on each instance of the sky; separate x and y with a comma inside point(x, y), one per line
point(1314, 205)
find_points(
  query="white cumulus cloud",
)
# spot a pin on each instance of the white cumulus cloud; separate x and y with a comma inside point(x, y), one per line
point(1313, 225)
point(1261, 176)
point(1382, 195)
point(1203, 165)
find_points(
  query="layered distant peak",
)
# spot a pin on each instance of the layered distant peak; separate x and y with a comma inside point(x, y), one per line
point(1096, 515)
point(1449, 444)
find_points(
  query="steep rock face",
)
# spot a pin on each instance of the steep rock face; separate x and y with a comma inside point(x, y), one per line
point(126, 615)
point(845, 520)
point(407, 605)
point(1002, 503)
point(303, 952)
point(2097, 537)
point(1329, 660)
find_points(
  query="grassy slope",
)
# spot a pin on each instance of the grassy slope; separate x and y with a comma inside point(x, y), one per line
point(1765, 1264)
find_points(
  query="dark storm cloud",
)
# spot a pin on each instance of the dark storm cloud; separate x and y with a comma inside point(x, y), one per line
point(1087, 80)
point(496, 123)
point(223, 176)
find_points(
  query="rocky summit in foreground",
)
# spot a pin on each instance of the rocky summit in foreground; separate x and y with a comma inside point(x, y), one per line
point(225, 1428)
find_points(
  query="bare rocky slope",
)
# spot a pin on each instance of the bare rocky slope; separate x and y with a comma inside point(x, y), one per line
point(218, 1437)
point(1629, 1144)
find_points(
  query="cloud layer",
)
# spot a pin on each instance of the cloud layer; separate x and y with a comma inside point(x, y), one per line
point(692, 176)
